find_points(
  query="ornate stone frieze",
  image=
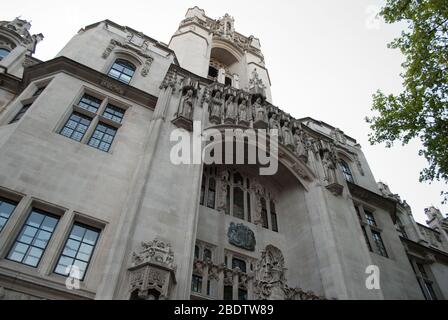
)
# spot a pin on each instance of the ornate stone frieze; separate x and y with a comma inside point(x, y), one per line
point(184, 115)
point(241, 236)
point(152, 271)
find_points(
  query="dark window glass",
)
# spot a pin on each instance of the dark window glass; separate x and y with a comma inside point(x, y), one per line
point(228, 200)
point(204, 180)
point(239, 263)
point(6, 209)
point(78, 251)
point(366, 238)
point(264, 214)
point(237, 178)
point(102, 137)
point(370, 218)
point(430, 290)
point(76, 126)
point(228, 293)
point(212, 72)
point(89, 103)
point(346, 171)
point(38, 91)
point(242, 294)
point(3, 53)
point(228, 81)
point(207, 255)
point(122, 70)
point(20, 114)
point(211, 195)
point(196, 283)
point(248, 207)
point(33, 238)
point(113, 113)
point(379, 243)
point(196, 252)
point(274, 217)
point(422, 270)
point(238, 203)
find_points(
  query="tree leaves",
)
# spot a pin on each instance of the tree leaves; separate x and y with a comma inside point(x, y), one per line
point(421, 110)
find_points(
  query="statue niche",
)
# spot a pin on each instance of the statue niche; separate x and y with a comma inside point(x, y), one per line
point(215, 109)
point(230, 110)
point(260, 115)
point(184, 115)
point(243, 113)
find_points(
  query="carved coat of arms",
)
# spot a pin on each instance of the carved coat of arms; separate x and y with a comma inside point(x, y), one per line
point(241, 236)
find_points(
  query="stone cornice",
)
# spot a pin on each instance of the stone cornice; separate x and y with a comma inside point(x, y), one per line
point(374, 199)
point(10, 83)
point(419, 248)
point(75, 69)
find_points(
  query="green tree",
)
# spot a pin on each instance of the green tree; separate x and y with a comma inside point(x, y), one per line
point(421, 110)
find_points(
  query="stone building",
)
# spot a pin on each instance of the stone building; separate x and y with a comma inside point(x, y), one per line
point(93, 207)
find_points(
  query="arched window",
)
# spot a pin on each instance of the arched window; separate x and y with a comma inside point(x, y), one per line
point(211, 193)
point(122, 70)
point(238, 203)
point(207, 254)
point(264, 214)
point(346, 171)
point(3, 53)
point(273, 217)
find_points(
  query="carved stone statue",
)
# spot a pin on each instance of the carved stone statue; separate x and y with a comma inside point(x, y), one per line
point(186, 105)
point(259, 114)
point(230, 110)
point(329, 166)
point(243, 113)
point(216, 108)
point(274, 123)
point(224, 180)
point(287, 137)
point(299, 142)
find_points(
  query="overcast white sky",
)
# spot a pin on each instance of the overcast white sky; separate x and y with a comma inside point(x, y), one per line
point(325, 59)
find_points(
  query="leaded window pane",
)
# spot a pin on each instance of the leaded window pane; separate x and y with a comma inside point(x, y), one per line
point(76, 126)
point(78, 250)
point(33, 238)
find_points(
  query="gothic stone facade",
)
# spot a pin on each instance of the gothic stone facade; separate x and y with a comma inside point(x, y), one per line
point(87, 188)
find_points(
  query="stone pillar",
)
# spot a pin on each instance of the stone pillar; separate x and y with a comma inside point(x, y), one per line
point(204, 279)
point(221, 75)
point(236, 280)
point(221, 283)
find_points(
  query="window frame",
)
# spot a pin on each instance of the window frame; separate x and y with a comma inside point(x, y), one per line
point(347, 171)
point(126, 64)
point(8, 52)
point(81, 242)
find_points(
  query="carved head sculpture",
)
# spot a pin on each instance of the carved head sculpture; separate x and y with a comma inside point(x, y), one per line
point(189, 93)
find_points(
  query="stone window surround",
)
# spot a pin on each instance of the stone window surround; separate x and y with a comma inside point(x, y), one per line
point(414, 260)
point(211, 172)
point(368, 228)
point(204, 245)
point(27, 97)
point(236, 274)
point(127, 55)
point(50, 257)
point(96, 117)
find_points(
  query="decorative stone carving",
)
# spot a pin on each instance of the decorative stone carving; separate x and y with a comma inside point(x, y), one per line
point(433, 213)
point(153, 270)
point(113, 43)
point(270, 280)
point(274, 123)
point(243, 113)
point(230, 110)
point(216, 107)
point(329, 163)
point(146, 66)
point(339, 136)
point(260, 117)
point(259, 193)
point(184, 115)
point(300, 148)
point(223, 181)
point(111, 86)
point(256, 85)
point(287, 137)
point(241, 236)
